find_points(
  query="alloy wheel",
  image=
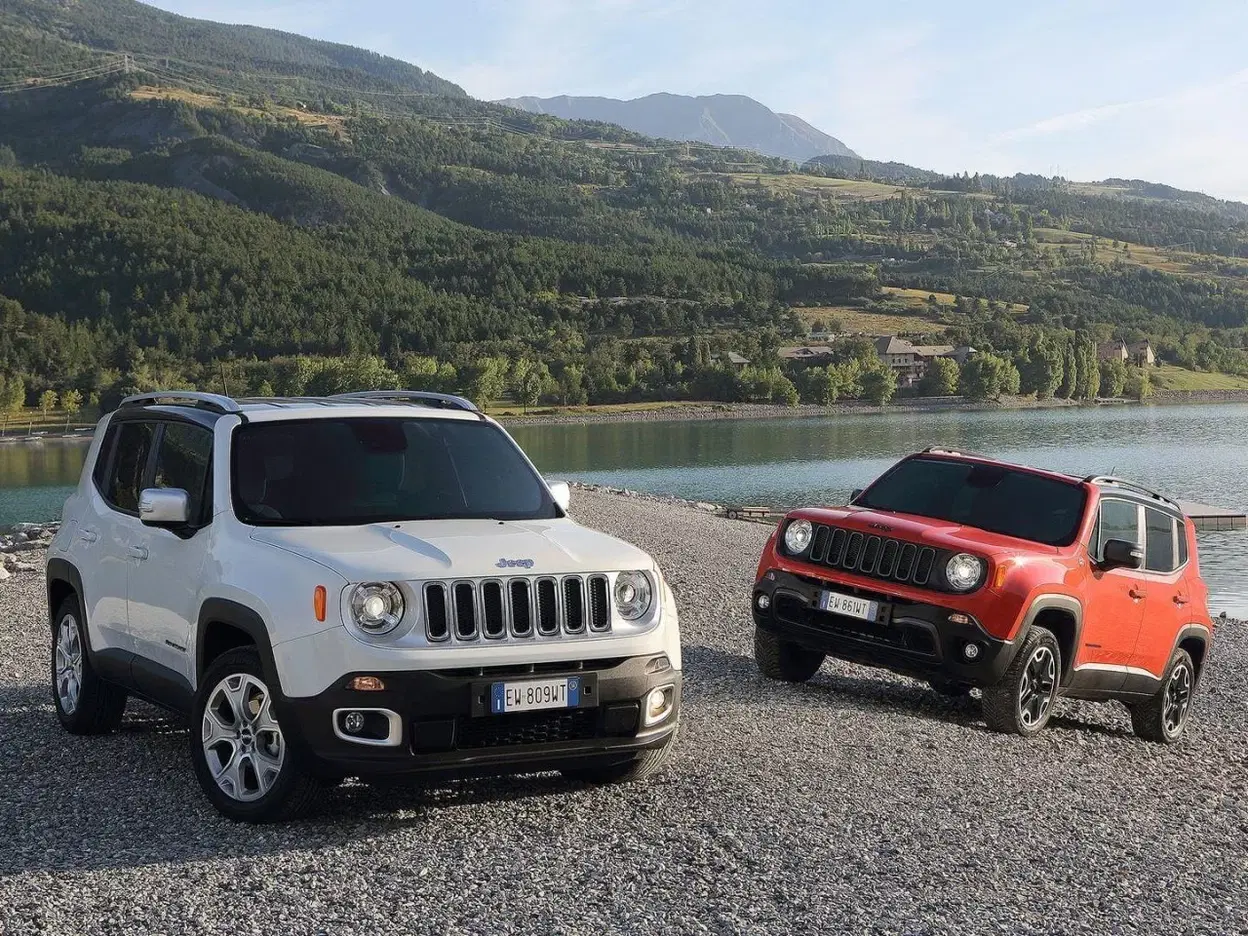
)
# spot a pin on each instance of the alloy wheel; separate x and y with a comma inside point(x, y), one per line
point(1177, 699)
point(243, 744)
point(1039, 683)
point(68, 664)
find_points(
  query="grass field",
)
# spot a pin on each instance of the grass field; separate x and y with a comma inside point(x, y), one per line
point(32, 420)
point(195, 98)
point(1169, 377)
point(849, 189)
point(869, 323)
point(1167, 261)
point(917, 298)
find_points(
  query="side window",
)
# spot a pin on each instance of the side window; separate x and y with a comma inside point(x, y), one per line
point(1159, 547)
point(182, 460)
point(1119, 520)
point(124, 478)
point(1183, 543)
point(100, 471)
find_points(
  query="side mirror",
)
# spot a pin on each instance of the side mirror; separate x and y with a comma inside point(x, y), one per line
point(162, 507)
point(854, 496)
point(562, 493)
point(1120, 554)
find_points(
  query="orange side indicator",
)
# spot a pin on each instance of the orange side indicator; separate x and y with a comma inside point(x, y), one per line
point(318, 602)
point(999, 579)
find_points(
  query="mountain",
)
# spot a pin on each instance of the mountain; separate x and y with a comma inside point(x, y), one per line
point(183, 202)
point(719, 119)
point(49, 33)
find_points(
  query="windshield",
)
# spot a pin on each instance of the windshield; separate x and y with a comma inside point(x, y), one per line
point(326, 472)
point(991, 497)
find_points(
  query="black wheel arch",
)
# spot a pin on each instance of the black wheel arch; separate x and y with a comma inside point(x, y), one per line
point(1063, 616)
point(1194, 638)
point(63, 579)
point(225, 624)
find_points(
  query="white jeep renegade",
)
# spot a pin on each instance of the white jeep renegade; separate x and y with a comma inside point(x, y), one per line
point(371, 585)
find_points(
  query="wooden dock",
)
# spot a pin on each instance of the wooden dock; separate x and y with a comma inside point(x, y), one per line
point(1204, 517)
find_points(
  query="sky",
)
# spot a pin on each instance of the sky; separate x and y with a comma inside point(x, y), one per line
point(1085, 89)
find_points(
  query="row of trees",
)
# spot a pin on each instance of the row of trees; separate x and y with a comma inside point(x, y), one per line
point(13, 401)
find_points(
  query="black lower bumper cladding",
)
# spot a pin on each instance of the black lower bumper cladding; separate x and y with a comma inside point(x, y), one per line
point(448, 727)
point(913, 638)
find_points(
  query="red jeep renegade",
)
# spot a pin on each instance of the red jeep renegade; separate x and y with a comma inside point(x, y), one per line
point(968, 572)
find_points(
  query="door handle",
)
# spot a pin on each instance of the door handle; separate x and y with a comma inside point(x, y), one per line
point(1180, 600)
point(1135, 593)
point(138, 552)
point(88, 536)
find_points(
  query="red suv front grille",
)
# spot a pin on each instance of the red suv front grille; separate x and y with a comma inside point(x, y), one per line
point(867, 554)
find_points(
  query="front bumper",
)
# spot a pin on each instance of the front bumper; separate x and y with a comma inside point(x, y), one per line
point(445, 727)
point(913, 638)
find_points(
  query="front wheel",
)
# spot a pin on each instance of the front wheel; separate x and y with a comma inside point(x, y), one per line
point(1164, 716)
point(780, 659)
point(85, 703)
point(239, 752)
point(1021, 702)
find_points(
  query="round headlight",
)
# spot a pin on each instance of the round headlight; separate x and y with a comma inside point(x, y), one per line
point(964, 571)
point(633, 595)
point(797, 537)
point(376, 607)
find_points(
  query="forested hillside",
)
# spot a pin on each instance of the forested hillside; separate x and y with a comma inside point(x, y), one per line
point(190, 203)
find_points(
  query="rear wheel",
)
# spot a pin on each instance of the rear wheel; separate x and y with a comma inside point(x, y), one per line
point(1164, 716)
point(1021, 702)
point(239, 752)
point(780, 659)
point(85, 703)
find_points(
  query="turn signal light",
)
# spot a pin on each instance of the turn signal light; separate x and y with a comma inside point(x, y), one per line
point(999, 579)
point(367, 684)
point(318, 602)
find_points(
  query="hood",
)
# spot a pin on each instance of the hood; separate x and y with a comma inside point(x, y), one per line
point(443, 549)
point(942, 534)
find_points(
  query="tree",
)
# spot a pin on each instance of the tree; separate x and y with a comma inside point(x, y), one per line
point(1113, 377)
point(1042, 367)
point(485, 380)
point(878, 385)
point(987, 376)
point(71, 402)
point(47, 402)
point(572, 385)
point(940, 378)
point(12, 398)
point(1138, 385)
point(536, 383)
point(1070, 366)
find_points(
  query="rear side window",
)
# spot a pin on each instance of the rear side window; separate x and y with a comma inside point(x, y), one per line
point(124, 478)
point(100, 472)
point(1160, 548)
point(1118, 520)
point(182, 460)
point(1183, 543)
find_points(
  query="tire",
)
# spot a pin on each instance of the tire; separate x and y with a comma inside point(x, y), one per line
point(85, 703)
point(1163, 717)
point(1021, 702)
point(780, 659)
point(949, 688)
point(236, 737)
point(642, 767)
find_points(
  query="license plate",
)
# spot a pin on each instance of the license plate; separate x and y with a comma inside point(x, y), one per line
point(533, 694)
point(836, 603)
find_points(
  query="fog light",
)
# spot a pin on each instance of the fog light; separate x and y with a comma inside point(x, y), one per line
point(971, 651)
point(658, 705)
point(367, 684)
point(763, 602)
point(353, 722)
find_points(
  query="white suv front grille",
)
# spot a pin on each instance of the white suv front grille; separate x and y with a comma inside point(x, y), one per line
point(517, 608)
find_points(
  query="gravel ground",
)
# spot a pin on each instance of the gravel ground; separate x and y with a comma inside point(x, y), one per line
point(859, 803)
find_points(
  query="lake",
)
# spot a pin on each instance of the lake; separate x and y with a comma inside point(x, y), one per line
point(1197, 453)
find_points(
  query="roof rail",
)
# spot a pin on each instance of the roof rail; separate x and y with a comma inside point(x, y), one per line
point(421, 397)
point(941, 450)
point(209, 401)
point(1130, 486)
